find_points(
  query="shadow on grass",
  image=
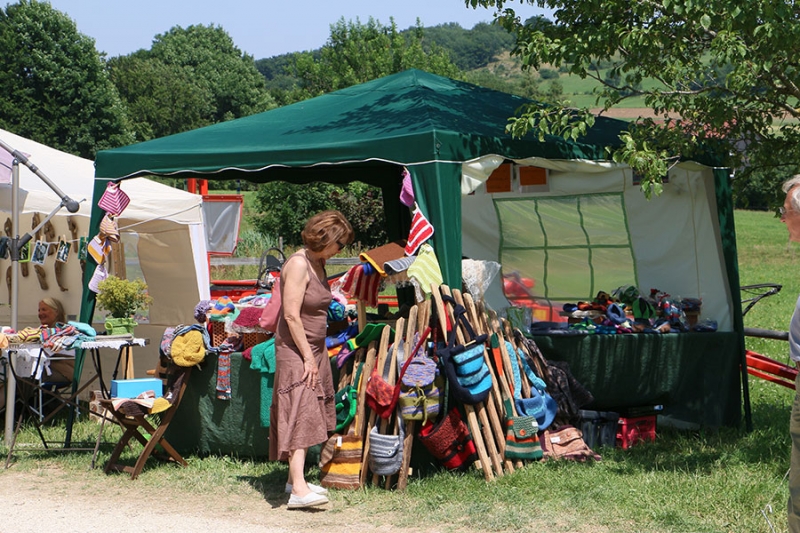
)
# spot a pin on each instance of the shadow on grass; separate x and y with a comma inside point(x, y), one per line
point(270, 485)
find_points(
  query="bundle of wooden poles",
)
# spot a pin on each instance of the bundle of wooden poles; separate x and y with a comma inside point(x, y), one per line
point(484, 420)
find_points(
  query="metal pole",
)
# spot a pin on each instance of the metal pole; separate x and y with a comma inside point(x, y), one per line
point(11, 385)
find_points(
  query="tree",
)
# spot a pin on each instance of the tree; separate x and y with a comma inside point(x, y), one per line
point(727, 69)
point(53, 85)
point(190, 78)
point(356, 53)
point(216, 65)
point(161, 99)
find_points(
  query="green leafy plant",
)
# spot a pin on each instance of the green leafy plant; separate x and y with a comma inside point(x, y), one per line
point(123, 297)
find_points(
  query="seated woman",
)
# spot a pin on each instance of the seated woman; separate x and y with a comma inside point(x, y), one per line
point(51, 313)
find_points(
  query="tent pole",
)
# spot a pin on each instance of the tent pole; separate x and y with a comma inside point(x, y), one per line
point(11, 385)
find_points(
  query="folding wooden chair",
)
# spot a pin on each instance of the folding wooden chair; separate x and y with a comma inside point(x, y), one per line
point(148, 427)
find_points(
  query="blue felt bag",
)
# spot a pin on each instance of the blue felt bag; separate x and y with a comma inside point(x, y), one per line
point(465, 364)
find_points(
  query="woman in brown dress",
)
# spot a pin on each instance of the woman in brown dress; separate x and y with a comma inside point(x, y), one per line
point(303, 410)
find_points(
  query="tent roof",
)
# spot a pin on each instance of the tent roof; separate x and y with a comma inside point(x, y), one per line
point(75, 177)
point(406, 118)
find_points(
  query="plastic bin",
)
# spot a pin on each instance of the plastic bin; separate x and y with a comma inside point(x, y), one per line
point(633, 430)
point(599, 428)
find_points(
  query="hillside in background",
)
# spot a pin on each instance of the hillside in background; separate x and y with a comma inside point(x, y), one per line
point(483, 54)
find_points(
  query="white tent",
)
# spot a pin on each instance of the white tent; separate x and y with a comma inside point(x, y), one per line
point(162, 232)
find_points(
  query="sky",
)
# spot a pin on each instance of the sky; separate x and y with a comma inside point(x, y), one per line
point(261, 28)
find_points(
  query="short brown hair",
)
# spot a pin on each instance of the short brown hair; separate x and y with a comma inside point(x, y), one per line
point(325, 228)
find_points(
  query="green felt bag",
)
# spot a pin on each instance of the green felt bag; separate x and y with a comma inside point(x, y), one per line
point(522, 439)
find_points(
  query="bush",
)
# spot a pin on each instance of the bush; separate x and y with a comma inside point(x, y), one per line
point(548, 74)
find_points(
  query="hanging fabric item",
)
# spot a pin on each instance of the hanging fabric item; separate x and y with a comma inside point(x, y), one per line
point(114, 200)
point(356, 284)
point(425, 269)
point(421, 231)
point(407, 189)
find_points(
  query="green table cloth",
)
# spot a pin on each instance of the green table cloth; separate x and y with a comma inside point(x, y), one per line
point(695, 376)
point(205, 425)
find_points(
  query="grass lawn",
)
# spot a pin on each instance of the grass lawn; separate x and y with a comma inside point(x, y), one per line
point(706, 481)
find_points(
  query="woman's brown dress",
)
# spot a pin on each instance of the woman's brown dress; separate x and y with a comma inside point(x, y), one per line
point(301, 417)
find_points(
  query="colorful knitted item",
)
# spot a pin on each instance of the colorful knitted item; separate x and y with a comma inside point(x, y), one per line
point(421, 231)
point(264, 361)
point(201, 310)
point(224, 375)
point(407, 189)
point(363, 287)
point(223, 306)
point(248, 317)
point(425, 269)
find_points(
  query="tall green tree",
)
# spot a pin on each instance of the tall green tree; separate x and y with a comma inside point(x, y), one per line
point(161, 99)
point(728, 69)
point(190, 78)
point(216, 65)
point(53, 85)
point(356, 53)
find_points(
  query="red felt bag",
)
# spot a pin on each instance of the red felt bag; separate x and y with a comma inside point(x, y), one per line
point(449, 441)
point(272, 311)
point(382, 397)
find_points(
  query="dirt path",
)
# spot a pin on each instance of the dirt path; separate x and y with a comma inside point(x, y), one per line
point(51, 500)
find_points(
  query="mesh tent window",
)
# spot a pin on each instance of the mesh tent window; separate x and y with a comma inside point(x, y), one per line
point(571, 246)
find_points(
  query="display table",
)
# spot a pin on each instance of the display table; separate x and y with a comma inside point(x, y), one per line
point(695, 376)
point(205, 425)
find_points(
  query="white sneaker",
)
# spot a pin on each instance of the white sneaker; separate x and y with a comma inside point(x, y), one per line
point(311, 499)
point(316, 489)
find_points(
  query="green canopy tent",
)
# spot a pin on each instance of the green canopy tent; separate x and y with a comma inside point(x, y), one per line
point(430, 124)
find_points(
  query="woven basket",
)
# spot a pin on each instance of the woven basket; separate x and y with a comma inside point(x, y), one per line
point(251, 339)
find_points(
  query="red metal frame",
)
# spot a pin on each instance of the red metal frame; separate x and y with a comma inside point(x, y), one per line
point(768, 369)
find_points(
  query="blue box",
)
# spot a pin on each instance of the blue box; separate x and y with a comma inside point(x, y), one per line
point(131, 388)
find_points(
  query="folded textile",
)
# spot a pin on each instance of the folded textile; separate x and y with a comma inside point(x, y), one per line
point(397, 266)
point(84, 328)
point(263, 360)
point(378, 257)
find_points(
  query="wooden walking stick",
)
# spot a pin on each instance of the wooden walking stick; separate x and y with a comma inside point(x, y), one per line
point(390, 379)
point(481, 408)
point(494, 404)
point(408, 443)
point(472, 419)
point(380, 360)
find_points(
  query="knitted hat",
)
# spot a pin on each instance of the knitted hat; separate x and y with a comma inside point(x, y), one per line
point(223, 306)
point(188, 349)
point(201, 310)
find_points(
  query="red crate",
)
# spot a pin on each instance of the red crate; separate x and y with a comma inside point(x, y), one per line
point(633, 430)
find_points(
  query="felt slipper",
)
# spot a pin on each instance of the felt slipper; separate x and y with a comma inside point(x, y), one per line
point(73, 227)
point(42, 276)
point(372, 332)
point(7, 227)
point(312, 499)
point(23, 267)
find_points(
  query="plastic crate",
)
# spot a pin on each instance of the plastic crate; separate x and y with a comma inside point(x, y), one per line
point(251, 339)
point(599, 428)
point(633, 430)
point(217, 332)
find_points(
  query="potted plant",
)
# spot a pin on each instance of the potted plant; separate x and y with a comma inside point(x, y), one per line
point(122, 298)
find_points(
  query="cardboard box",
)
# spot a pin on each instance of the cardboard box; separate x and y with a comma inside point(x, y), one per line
point(131, 388)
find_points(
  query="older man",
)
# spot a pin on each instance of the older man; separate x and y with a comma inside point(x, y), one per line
point(790, 215)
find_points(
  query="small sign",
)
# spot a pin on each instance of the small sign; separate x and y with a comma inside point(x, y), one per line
point(39, 253)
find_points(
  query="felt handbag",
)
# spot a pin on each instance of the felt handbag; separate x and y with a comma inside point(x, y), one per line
point(522, 439)
point(272, 311)
point(346, 402)
point(465, 365)
point(114, 200)
point(420, 389)
point(340, 461)
point(450, 441)
point(566, 443)
point(109, 228)
point(386, 451)
point(382, 397)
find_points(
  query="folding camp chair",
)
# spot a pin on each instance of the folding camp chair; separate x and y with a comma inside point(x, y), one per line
point(36, 391)
point(147, 426)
